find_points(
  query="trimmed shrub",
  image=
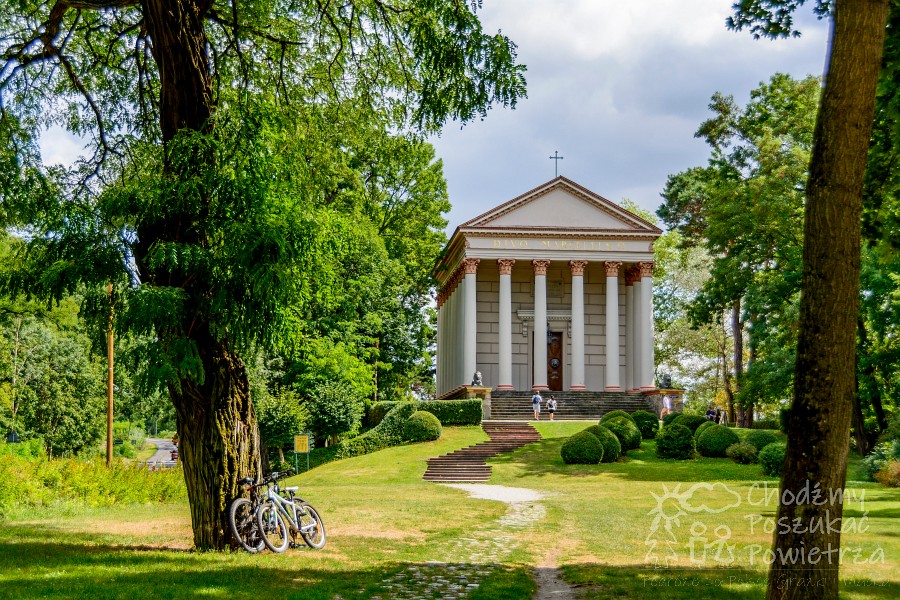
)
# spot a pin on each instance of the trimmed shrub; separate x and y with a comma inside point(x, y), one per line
point(616, 413)
point(667, 420)
point(715, 441)
point(742, 453)
point(384, 435)
point(612, 448)
point(449, 412)
point(761, 439)
point(376, 412)
point(889, 474)
point(692, 422)
point(675, 441)
point(772, 458)
point(422, 426)
point(703, 427)
point(627, 432)
point(583, 448)
point(647, 423)
point(765, 424)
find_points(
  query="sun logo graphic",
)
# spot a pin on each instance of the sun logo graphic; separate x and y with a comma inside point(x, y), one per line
point(672, 506)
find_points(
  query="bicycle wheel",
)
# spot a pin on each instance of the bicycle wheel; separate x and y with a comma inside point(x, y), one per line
point(312, 529)
point(274, 531)
point(242, 520)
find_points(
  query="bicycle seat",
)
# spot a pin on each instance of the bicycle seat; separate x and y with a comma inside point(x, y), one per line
point(292, 488)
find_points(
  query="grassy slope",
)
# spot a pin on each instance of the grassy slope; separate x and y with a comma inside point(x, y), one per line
point(382, 517)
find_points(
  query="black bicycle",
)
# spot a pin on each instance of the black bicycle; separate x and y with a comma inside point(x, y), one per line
point(242, 515)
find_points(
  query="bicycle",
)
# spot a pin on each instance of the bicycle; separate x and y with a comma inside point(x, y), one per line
point(280, 519)
point(242, 515)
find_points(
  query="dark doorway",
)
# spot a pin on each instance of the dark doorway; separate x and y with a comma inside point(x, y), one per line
point(555, 361)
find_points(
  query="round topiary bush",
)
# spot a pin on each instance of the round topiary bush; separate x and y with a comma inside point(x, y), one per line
point(627, 432)
point(583, 448)
point(647, 422)
point(772, 458)
point(421, 426)
point(761, 439)
point(692, 422)
point(667, 420)
point(742, 453)
point(715, 441)
point(612, 448)
point(675, 441)
point(703, 427)
point(616, 413)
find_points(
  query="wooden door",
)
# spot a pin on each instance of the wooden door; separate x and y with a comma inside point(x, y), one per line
point(555, 361)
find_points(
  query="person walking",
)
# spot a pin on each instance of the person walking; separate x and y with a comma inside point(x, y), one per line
point(536, 405)
point(551, 406)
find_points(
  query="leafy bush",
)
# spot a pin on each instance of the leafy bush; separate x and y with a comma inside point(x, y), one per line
point(627, 432)
point(422, 427)
point(33, 448)
point(692, 422)
point(761, 439)
point(715, 440)
point(889, 474)
point(675, 441)
point(583, 448)
point(765, 424)
point(449, 412)
point(616, 413)
point(667, 420)
point(281, 416)
point(783, 416)
point(612, 448)
point(742, 453)
point(880, 455)
point(124, 450)
point(647, 422)
point(334, 408)
point(772, 458)
point(703, 427)
point(384, 435)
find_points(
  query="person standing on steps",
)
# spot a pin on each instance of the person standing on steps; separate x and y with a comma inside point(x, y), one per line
point(536, 405)
point(551, 406)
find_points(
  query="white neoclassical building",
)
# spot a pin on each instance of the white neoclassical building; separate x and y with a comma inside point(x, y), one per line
point(551, 290)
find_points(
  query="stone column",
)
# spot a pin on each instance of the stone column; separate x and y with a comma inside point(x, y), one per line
point(645, 381)
point(577, 268)
point(439, 376)
point(612, 327)
point(470, 316)
point(505, 364)
point(632, 274)
point(539, 352)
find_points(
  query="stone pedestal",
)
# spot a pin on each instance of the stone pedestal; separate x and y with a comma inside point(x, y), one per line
point(485, 394)
point(677, 399)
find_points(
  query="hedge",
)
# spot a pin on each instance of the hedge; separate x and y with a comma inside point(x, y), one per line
point(583, 448)
point(448, 412)
point(715, 440)
point(703, 427)
point(612, 448)
point(667, 420)
point(647, 422)
point(742, 453)
point(675, 441)
point(761, 439)
point(384, 435)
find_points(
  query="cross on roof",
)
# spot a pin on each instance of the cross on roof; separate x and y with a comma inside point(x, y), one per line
point(556, 158)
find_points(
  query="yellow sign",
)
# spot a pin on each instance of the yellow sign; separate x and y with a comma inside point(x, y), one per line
point(301, 443)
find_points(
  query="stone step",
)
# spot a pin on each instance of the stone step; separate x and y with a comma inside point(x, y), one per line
point(467, 464)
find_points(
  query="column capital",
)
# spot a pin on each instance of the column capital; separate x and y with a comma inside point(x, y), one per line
point(612, 268)
point(540, 266)
point(577, 267)
point(646, 268)
point(632, 275)
point(506, 265)
point(471, 265)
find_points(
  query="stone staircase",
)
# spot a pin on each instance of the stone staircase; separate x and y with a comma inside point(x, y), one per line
point(468, 464)
point(571, 406)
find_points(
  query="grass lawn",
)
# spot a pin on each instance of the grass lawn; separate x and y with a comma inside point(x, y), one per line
point(386, 526)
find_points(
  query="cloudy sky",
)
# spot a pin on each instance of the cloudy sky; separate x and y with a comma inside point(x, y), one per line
point(618, 88)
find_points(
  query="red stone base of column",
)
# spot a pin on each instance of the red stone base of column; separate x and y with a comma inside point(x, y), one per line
point(648, 388)
point(577, 388)
point(612, 388)
point(633, 390)
point(505, 387)
point(542, 388)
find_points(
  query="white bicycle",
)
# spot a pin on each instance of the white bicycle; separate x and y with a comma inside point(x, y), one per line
point(280, 519)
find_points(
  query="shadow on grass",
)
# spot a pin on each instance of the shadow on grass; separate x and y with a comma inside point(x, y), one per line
point(642, 581)
point(35, 565)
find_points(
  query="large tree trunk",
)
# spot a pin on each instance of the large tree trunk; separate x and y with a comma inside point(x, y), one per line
point(818, 425)
point(217, 426)
point(737, 333)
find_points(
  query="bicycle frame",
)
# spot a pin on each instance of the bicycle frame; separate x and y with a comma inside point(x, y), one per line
point(288, 508)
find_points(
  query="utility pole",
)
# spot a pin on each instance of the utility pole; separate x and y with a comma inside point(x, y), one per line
point(109, 381)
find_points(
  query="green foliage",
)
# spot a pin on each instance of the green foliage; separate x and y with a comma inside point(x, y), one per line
point(765, 424)
point(772, 458)
point(647, 422)
point(703, 427)
point(714, 442)
point(334, 408)
point(627, 432)
point(583, 448)
point(612, 448)
point(33, 448)
point(280, 416)
point(448, 412)
point(742, 453)
point(881, 454)
point(784, 414)
point(384, 435)
point(675, 441)
point(692, 422)
point(616, 413)
point(422, 427)
point(889, 474)
point(667, 420)
point(760, 439)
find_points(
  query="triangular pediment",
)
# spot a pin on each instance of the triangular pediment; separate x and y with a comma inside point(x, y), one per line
point(560, 204)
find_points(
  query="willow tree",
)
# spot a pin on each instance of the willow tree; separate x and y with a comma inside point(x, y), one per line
point(182, 185)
